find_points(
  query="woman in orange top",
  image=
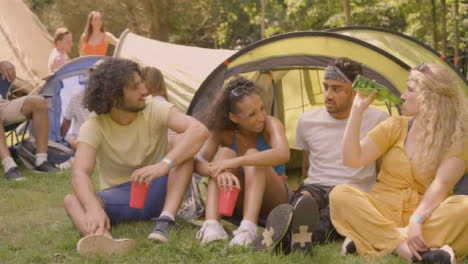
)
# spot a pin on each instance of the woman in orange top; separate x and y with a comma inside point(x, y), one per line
point(94, 39)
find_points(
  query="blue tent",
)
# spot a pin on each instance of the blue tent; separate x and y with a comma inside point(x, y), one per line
point(59, 87)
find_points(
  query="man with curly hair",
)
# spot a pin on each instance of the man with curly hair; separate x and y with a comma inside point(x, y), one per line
point(127, 135)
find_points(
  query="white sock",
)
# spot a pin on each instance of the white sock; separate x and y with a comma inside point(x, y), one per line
point(212, 222)
point(168, 214)
point(249, 225)
point(40, 158)
point(8, 163)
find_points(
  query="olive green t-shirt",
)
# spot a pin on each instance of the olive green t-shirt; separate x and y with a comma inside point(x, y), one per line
point(123, 149)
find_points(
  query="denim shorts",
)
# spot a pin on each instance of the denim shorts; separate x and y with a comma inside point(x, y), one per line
point(116, 202)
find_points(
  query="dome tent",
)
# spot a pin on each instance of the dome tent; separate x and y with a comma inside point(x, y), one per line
point(289, 70)
point(405, 48)
point(25, 42)
point(288, 67)
point(59, 88)
point(184, 67)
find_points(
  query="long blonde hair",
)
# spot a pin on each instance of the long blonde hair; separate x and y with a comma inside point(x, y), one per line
point(443, 114)
point(154, 81)
point(89, 28)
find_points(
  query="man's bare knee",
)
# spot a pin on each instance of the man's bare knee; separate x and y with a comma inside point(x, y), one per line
point(33, 103)
point(69, 200)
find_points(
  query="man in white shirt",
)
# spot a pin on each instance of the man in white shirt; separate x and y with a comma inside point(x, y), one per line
point(63, 45)
point(319, 134)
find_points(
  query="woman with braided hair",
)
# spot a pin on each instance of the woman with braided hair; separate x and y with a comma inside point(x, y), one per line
point(253, 152)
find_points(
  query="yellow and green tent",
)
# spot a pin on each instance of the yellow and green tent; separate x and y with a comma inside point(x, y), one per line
point(289, 68)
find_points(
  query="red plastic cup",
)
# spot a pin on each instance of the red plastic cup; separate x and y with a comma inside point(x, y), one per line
point(138, 195)
point(227, 200)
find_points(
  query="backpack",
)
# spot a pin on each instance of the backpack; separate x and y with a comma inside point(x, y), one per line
point(25, 152)
point(192, 205)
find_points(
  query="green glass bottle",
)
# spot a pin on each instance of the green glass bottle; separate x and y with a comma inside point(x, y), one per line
point(366, 86)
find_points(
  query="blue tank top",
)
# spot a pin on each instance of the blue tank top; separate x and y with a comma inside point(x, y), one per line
point(261, 146)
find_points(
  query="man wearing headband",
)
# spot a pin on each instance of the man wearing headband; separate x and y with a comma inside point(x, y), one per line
point(319, 134)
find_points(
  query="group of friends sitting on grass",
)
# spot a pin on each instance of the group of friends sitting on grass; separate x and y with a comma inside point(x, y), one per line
point(384, 184)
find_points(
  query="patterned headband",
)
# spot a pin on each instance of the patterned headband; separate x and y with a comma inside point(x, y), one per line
point(334, 73)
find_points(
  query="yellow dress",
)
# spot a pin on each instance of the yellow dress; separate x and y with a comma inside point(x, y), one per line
point(372, 220)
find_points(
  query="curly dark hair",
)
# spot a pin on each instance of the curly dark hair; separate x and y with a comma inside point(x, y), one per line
point(350, 68)
point(225, 103)
point(106, 84)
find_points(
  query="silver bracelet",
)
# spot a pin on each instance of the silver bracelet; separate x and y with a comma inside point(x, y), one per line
point(169, 162)
point(416, 218)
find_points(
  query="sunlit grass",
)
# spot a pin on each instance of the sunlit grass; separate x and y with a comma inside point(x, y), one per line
point(34, 228)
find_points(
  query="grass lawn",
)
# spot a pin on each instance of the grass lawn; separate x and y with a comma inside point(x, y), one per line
point(34, 228)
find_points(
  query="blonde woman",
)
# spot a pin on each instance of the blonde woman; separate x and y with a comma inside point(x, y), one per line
point(95, 39)
point(424, 154)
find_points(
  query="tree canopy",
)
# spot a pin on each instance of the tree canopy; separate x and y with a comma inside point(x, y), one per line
point(222, 23)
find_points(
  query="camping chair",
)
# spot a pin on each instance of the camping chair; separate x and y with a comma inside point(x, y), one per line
point(10, 129)
point(22, 149)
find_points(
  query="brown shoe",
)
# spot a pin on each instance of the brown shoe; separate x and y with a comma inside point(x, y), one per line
point(103, 245)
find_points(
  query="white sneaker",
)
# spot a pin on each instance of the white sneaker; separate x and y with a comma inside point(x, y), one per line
point(211, 232)
point(65, 165)
point(443, 255)
point(348, 247)
point(449, 250)
point(243, 237)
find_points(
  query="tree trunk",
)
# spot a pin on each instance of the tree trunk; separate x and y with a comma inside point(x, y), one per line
point(455, 22)
point(152, 18)
point(443, 14)
point(262, 26)
point(165, 18)
point(347, 12)
point(157, 14)
point(132, 20)
point(434, 25)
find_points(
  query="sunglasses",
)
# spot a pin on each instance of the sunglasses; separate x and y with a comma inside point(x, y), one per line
point(423, 68)
point(246, 88)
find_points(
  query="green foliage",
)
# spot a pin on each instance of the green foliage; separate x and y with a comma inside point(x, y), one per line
point(219, 23)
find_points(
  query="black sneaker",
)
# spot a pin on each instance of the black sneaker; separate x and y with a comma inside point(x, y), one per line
point(45, 166)
point(277, 226)
point(304, 221)
point(348, 247)
point(14, 174)
point(161, 229)
point(443, 255)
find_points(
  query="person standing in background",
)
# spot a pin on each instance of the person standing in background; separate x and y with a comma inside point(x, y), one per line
point(95, 39)
point(63, 45)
